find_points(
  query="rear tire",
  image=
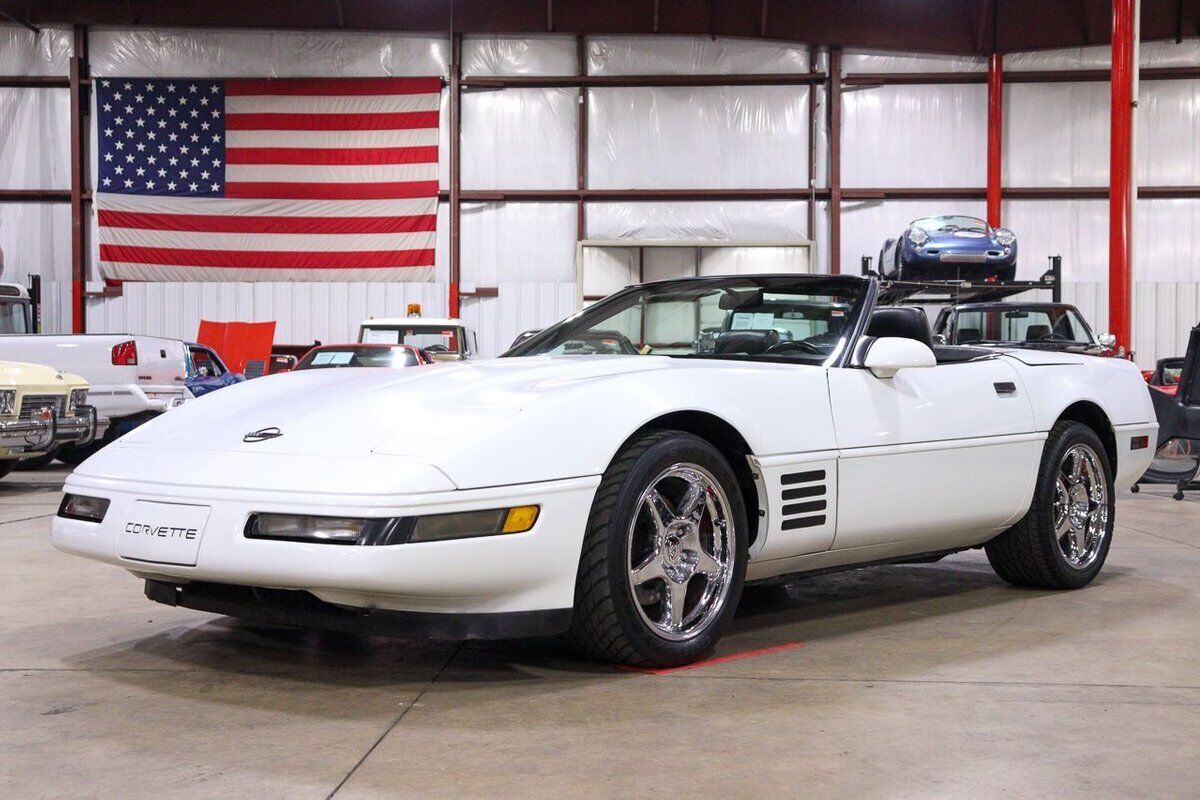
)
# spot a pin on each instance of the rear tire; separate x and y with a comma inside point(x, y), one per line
point(73, 456)
point(1063, 541)
point(664, 555)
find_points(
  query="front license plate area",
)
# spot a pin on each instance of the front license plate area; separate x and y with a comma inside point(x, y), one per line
point(163, 533)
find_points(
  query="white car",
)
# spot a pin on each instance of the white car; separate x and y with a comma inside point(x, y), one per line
point(623, 499)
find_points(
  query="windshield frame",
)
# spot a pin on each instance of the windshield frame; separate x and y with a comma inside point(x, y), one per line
point(859, 313)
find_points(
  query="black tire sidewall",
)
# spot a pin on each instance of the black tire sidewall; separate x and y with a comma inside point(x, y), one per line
point(683, 448)
point(1071, 434)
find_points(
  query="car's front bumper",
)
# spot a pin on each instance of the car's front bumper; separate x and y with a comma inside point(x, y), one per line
point(33, 436)
point(532, 571)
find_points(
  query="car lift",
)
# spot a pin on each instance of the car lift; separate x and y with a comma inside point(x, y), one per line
point(955, 292)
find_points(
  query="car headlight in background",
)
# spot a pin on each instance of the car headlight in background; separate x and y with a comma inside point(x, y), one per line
point(1005, 237)
point(918, 236)
point(78, 397)
point(8, 402)
point(361, 531)
point(82, 507)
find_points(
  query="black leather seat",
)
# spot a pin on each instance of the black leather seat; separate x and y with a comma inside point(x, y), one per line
point(750, 343)
point(1035, 332)
point(968, 335)
point(902, 323)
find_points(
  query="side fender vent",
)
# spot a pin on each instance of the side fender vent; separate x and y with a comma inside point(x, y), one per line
point(804, 499)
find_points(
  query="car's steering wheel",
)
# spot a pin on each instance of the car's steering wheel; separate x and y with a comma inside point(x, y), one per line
point(798, 344)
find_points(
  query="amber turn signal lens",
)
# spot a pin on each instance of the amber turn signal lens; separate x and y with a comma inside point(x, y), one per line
point(520, 519)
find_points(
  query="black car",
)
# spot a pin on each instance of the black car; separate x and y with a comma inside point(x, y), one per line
point(1043, 326)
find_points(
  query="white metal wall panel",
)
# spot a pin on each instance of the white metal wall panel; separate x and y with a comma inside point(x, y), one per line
point(329, 312)
point(517, 242)
point(915, 136)
point(520, 307)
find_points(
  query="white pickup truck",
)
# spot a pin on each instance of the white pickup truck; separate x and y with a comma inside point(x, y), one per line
point(132, 378)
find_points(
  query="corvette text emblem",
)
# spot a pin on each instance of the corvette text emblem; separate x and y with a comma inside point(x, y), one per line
point(262, 434)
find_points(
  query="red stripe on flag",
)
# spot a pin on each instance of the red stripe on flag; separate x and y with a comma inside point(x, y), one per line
point(271, 121)
point(332, 86)
point(336, 156)
point(282, 190)
point(215, 223)
point(258, 259)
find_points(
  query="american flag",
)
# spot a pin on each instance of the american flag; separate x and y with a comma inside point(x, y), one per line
point(267, 180)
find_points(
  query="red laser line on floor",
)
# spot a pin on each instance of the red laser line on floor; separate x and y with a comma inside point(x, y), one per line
point(762, 651)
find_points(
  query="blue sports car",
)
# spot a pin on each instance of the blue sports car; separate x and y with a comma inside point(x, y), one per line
point(951, 247)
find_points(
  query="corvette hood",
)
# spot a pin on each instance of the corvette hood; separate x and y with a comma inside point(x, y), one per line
point(450, 417)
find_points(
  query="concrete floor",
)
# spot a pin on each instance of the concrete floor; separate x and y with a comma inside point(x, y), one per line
point(918, 681)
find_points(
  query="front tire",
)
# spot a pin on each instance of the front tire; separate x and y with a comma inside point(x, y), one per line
point(664, 555)
point(1063, 541)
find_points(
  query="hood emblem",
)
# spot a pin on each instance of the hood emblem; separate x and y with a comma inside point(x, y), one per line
point(262, 435)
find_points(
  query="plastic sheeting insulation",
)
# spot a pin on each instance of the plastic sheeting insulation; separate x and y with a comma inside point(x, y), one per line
point(914, 136)
point(745, 137)
point(216, 53)
point(23, 52)
point(692, 55)
point(490, 56)
point(519, 138)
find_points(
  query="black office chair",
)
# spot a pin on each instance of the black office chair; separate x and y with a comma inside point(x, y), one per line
point(1177, 457)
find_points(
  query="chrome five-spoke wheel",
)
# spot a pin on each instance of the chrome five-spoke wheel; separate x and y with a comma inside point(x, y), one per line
point(681, 551)
point(1080, 506)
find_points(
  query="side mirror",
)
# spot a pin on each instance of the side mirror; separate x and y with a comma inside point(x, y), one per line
point(890, 354)
point(1107, 340)
point(939, 338)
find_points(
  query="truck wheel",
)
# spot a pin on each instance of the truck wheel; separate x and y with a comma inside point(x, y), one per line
point(664, 555)
point(1064, 539)
point(7, 466)
point(38, 462)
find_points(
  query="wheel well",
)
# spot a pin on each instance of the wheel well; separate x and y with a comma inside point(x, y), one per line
point(1093, 416)
point(726, 438)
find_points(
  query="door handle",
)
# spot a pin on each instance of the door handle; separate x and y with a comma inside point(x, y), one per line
point(1005, 387)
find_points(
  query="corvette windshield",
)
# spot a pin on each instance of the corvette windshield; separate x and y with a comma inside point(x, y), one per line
point(1033, 326)
point(802, 318)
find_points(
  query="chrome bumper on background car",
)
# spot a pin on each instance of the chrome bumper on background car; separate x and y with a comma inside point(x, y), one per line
point(48, 430)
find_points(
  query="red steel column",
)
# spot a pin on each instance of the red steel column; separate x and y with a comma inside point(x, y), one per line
point(455, 172)
point(995, 136)
point(79, 112)
point(1120, 201)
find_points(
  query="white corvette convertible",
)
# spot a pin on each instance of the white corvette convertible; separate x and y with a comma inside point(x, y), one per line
point(621, 475)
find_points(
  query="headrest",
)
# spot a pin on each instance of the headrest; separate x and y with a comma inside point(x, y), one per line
point(1036, 332)
point(968, 335)
point(749, 343)
point(903, 323)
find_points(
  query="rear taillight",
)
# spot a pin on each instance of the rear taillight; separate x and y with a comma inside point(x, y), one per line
point(125, 354)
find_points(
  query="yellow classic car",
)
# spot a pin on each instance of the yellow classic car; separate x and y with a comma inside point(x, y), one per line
point(41, 409)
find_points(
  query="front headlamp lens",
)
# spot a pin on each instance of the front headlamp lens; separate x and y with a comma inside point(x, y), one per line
point(82, 507)
point(78, 397)
point(8, 401)
point(402, 530)
point(293, 527)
